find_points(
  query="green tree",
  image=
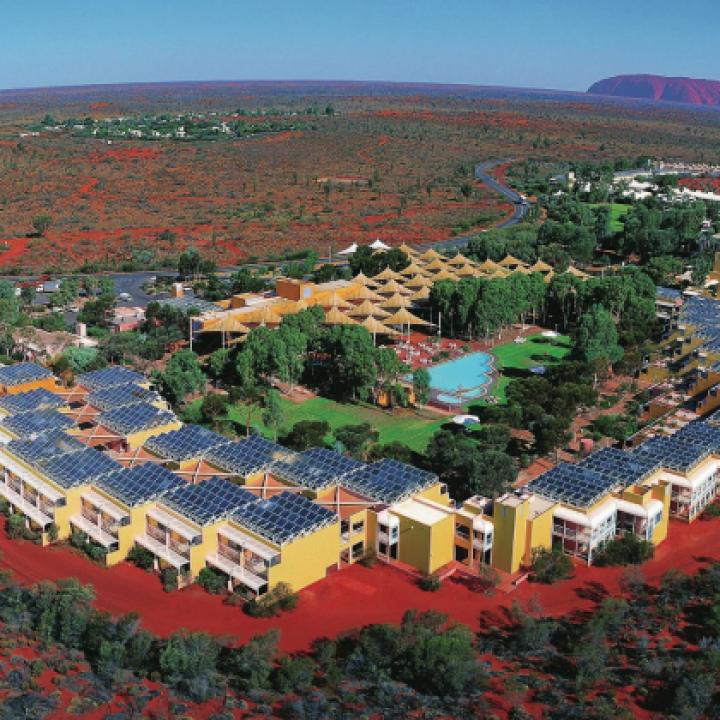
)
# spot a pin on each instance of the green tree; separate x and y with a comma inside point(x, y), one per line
point(306, 434)
point(188, 663)
point(597, 337)
point(421, 385)
point(356, 439)
point(41, 223)
point(182, 376)
point(273, 412)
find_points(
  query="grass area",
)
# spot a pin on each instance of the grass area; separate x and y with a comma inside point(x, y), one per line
point(403, 426)
point(617, 212)
point(536, 350)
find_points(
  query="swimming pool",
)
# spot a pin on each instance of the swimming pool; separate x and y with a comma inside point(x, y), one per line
point(458, 381)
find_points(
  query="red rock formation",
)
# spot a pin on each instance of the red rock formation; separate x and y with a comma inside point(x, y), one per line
point(656, 87)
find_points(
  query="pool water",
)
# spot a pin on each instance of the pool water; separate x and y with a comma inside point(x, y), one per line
point(465, 378)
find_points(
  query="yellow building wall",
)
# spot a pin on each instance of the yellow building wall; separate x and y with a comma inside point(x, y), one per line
point(434, 493)
point(135, 440)
point(73, 506)
point(509, 542)
point(539, 535)
point(427, 547)
point(307, 559)
point(48, 383)
point(128, 533)
point(661, 492)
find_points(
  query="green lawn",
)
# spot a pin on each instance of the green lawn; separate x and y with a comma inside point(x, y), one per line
point(403, 425)
point(536, 350)
point(617, 212)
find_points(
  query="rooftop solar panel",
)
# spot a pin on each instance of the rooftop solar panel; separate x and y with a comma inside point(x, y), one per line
point(574, 484)
point(40, 399)
point(27, 424)
point(246, 456)
point(190, 441)
point(389, 481)
point(12, 375)
point(39, 450)
point(121, 395)
point(674, 452)
point(624, 467)
point(110, 377)
point(78, 468)
point(187, 303)
point(284, 517)
point(316, 468)
point(140, 484)
point(134, 418)
point(208, 501)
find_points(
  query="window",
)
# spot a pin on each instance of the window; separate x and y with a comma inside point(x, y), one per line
point(358, 526)
point(443, 489)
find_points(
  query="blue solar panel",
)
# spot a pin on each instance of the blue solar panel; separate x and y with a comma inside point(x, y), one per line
point(316, 468)
point(574, 484)
point(40, 399)
point(12, 375)
point(190, 441)
point(208, 501)
point(121, 395)
point(78, 468)
point(283, 517)
point(134, 418)
point(140, 484)
point(24, 425)
point(246, 456)
point(389, 481)
point(41, 449)
point(110, 377)
point(624, 467)
point(674, 452)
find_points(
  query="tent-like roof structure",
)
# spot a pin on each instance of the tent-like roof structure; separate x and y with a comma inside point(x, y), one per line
point(377, 328)
point(412, 269)
point(387, 274)
point(436, 265)
point(511, 262)
point(577, 273)
point(488, 266)
point(405, 317)
point(458, 260)
point(430, 254)
point(226, 323)
point(351, 250)
point(419, 281)
point(334, 316)
point(362, 279)
point(367, 309)
point(422, 294)
point(392, 287)
point(410, 252)
point(362, 292)
point(465, 270)
point(445, 274)
point(379, 245)
point(541, 267)
point(265, 315)
point(396, 301)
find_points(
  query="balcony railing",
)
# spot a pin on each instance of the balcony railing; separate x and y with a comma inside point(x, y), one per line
point(230, 553)
point(157, 533)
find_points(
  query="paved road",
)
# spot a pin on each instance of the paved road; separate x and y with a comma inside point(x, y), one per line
point(520, 207)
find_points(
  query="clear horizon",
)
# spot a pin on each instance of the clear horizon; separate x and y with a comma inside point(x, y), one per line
point(522, 44)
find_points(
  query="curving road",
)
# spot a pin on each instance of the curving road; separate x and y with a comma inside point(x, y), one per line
point(520, 209)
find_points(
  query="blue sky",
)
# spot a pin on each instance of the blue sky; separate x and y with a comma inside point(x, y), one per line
point(564, 44)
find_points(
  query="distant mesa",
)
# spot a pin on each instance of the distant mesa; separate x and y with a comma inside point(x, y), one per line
point(656, 87)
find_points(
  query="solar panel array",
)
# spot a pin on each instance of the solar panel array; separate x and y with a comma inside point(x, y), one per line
point(704, 314)
point(626, 468)
point(39, 450)
point(77, 468)
point(40, 399)
point(284, 517)
point(246, 456)
point(140, 484)
point(674, 453)
point(121, 395)
point(110, 377)
point(27, 424)
point(187, 302)
point(389, 480)
point(701, 433)
point(208, 501)
point(134, 418)
point(190, 441)
point(12, 375)
point(316, 468)
point(573, 484)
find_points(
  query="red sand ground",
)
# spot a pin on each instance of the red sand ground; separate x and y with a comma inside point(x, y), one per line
point(350, 598)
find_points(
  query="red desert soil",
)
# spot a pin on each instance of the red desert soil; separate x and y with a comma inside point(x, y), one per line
point(350, 598)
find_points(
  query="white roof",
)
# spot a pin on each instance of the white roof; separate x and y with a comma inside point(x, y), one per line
point(379, 245)
point(349, 250)
point(427, 513)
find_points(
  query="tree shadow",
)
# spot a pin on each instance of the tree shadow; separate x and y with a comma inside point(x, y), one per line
point(592, 590)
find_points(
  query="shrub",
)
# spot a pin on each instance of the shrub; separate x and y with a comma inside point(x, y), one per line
point(169, 579)
point(4, 507)
point(94, 551)
point(711, 511)
point(141, 557)
point(549, 566)
point(213, 582)
point(429, 583)
point(52, 531)
point(280, 598)
point(16, 526)
point(369, 559)
point(628, 550)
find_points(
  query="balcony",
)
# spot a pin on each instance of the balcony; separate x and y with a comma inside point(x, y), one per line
point(25, 507)
point(93, 531)
point(238, 573)
point(160, 550)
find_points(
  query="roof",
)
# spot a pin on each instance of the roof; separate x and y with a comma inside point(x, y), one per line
point(134, 418)
point(208, 501)
point(680, 452)
point(574, 484)
point(186, 443)
point(246, 456)
point(110, 377)
point(32, 400)
point(425, 513)
point(26, 424)
point(140, 484)
point(120, 395)
point(316, 468)
point(41, 449)
point(188, 302)
point(284, 517)
point(77, 468)
point(13, 375)
point(624, 467)
point(389, 480)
